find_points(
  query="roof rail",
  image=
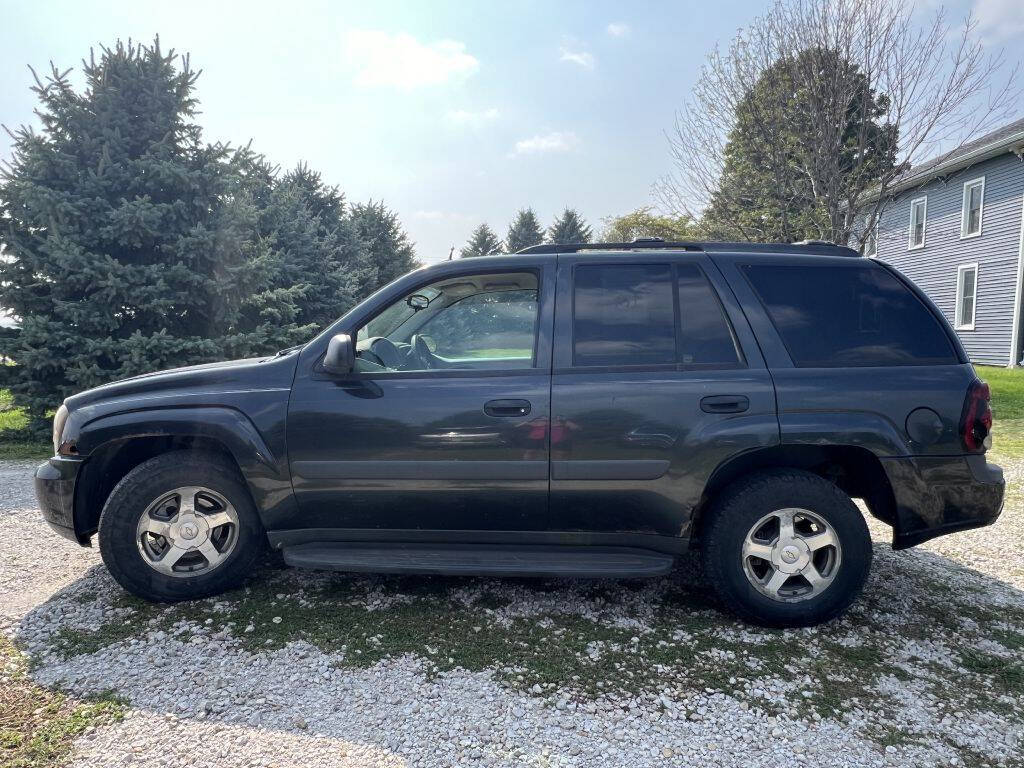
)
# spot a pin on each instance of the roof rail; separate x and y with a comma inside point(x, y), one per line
point(656, 243)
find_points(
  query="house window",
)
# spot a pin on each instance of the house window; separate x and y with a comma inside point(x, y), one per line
point(871, 239)
point(974, 203)
point(918, 213)
point(966, 296)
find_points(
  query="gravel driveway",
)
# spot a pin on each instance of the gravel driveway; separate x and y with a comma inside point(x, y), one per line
point(305, 669)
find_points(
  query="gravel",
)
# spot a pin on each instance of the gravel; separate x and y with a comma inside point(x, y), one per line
point(314, 670)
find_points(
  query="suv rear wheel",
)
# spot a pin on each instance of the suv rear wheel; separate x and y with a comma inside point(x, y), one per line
point(786, 548)
point(180, 526)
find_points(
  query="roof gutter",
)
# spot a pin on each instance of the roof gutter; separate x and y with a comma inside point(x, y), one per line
point(1013, 143)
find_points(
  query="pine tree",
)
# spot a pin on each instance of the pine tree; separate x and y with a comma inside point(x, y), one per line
point(129, 242)
point(388, 254)
point(569, 228)
point(317, 250)
point(483, 242)
point(524, 231)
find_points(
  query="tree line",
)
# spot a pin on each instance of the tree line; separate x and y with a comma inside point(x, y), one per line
point(130, 244)
point(570, 227)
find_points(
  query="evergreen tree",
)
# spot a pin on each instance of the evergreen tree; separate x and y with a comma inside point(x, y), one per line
point(524, 231)
point(569, 228)
point(129, 242)
point(765, 193)
point(388, 254)
point(317, 250)
point(483, 242)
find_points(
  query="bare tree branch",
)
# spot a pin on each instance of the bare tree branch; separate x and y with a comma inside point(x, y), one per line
point(937, 85)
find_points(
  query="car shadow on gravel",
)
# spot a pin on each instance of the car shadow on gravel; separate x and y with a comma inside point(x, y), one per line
point(930, 641)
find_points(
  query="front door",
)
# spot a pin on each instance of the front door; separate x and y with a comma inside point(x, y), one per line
point(657, 380)
point(443, 424)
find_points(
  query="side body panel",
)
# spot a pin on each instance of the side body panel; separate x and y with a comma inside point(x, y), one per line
point(935, 485)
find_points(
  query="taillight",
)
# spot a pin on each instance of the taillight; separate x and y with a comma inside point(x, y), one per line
point(976, 425)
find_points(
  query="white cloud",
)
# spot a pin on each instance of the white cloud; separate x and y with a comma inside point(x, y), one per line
point(618, 29)
point(583, 58)
point(558, 141)
point(999, 20)
point(402, 61)
point(471, 118)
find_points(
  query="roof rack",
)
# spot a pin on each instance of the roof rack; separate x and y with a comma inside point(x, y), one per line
point(656, 243)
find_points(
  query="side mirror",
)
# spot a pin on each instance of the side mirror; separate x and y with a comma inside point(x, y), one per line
point(340, 355)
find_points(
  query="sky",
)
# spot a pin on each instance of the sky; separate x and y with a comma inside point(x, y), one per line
point(452, 113)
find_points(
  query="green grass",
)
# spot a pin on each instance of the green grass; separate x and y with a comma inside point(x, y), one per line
point(16, 439)
point(1007, 386)
point(38, 726)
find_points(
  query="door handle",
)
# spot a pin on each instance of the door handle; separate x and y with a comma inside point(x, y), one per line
point(725, 404)
point(507, 407)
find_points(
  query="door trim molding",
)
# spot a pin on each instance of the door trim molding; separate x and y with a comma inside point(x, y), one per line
point(609, 469)
point(421, 470)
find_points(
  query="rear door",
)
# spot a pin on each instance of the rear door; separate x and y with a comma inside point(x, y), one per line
point(656, 380)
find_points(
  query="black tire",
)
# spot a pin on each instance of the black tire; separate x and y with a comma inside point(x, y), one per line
point(144, 485)
point(745, 503)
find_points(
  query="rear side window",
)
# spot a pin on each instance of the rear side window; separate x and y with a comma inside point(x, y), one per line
point(849, 316)
point(623, 315)
point(705, 336)
point(626, 314)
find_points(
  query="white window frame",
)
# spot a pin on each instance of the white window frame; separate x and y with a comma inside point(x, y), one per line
point(959, 323)
point(911, 245)
point(965, 213)
point(873, 239)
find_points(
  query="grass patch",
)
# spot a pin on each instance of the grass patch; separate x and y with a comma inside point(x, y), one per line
point(38, 726)
point(1007, 385)
point(17, 440)
point(1007, 675)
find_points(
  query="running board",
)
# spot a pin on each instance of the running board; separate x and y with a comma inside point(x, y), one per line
point(481, 560)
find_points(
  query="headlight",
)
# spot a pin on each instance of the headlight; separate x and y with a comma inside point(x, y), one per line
point(60, 418)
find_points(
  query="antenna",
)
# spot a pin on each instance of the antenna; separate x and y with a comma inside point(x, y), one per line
point(451, 253)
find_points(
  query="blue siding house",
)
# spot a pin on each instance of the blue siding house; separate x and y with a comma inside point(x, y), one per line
point(955, 226)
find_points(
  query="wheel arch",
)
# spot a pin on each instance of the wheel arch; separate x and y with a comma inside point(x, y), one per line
point(855, 470)
point(115, 444)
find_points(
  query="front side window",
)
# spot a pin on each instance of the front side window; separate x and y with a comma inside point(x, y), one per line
point(974, 200)
point(966, 296)
point(918, 213)
point(467, 322)
point(832, 316)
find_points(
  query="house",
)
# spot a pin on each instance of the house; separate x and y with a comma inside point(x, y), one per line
point(955, 226)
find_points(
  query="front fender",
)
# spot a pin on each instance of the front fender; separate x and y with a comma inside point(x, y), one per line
point(265, 470)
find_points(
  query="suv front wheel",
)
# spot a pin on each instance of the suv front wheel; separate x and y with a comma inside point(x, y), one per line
point(180, 526)
point(786, 548)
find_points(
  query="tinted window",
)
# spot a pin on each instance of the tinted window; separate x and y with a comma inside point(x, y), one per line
point(623, 315)
point(849, 316)
point(705, 337)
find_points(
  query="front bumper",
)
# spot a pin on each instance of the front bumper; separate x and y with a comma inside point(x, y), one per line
point(55, 483)
point(940, 495)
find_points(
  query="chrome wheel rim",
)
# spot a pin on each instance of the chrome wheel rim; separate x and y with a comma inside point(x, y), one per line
point(187, 531)
point(791, 555)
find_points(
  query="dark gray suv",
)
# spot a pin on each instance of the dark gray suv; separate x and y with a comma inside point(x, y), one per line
point(589, 410)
